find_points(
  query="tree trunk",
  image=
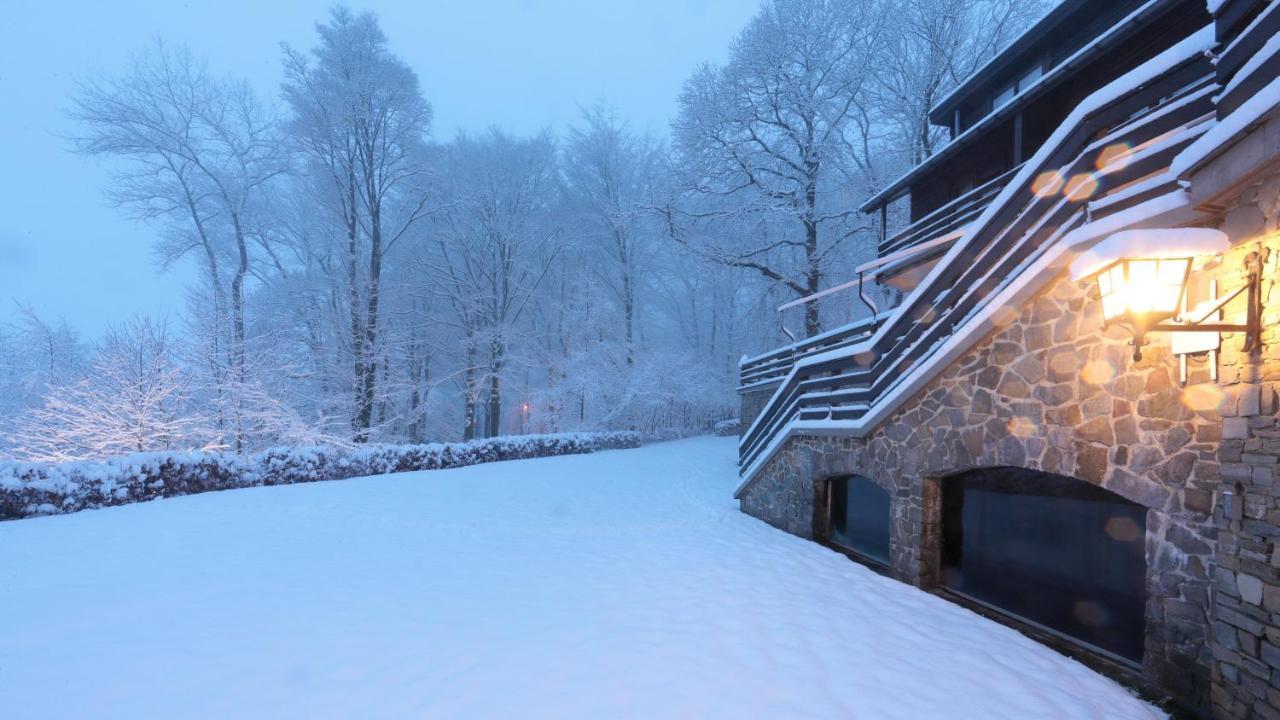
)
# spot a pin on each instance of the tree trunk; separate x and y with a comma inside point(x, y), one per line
point(359, 433)
point(497, 359)
point(237, 324)
point(469, 389)
point(629, 310)
point(369, 384)
point(813, 269)
point(419, 371)
point(219, 303)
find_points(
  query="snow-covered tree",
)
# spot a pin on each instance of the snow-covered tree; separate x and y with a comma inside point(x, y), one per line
point(768, 136)
point(359, 116)
point(495, 249)
point(930, 46)
point(360, 282)
point(200, 154)
point(133, 397)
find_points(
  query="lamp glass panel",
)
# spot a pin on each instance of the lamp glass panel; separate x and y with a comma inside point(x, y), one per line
point(1142, 286)
point(1112, 306)
point(1173, 271)
point(1111, 284)
point(1168, 294)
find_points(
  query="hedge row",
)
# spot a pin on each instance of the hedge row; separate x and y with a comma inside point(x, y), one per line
point(29, 489)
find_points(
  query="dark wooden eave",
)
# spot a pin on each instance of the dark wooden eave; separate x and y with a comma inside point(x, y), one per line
point(1053, 77)
point(1008, 58)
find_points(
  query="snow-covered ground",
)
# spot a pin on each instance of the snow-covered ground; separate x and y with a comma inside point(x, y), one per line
point(619, 584)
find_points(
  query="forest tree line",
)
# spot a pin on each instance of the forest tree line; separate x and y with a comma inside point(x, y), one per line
point(362, 280)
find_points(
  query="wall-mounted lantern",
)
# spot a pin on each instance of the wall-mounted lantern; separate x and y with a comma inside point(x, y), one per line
point(1142, 281)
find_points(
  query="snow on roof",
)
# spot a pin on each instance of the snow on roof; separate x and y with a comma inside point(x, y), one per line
point(1153, 243)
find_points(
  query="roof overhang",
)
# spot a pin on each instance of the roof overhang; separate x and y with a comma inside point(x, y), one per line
point(1113, 37)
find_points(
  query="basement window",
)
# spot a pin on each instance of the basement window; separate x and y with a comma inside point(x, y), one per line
point(859, 518)
point(1061, 553)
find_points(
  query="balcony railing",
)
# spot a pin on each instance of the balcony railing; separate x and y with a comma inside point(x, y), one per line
point(948, 218)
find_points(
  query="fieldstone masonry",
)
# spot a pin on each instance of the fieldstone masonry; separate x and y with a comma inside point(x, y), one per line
point(753, 402)
point(1051, 390)
point(1246, 587)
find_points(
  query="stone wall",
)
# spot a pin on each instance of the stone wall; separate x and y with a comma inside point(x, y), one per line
point(1051, 390)
point(1246, 597)
point(752, 403)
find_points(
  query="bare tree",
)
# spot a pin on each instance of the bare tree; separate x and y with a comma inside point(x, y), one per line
point(360, 116)
point(495, 253)
point(930, 46)
point(608, 169)
point(766, 134)
point(199, 155)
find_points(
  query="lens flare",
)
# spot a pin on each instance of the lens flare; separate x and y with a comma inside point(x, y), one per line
point(1122, 529)
point(1090, 613)
point(1048, 184)
point(1064, 364)
point(1097, 372)
point(1081, 187)
point(1204, 398)
point(1114, 158)
point(1003, 316)
point(1023, 427)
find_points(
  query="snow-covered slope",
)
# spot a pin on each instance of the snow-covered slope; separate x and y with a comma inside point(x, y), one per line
point(619, 584)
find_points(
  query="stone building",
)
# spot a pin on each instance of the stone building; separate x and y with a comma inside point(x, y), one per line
point(992, 438)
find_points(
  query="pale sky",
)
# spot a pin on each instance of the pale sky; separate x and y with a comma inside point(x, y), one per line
point(519, 64)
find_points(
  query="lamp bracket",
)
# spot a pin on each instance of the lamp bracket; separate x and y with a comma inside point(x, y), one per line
point(1252, 327)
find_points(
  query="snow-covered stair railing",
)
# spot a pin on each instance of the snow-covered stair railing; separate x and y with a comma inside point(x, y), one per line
point(1016, 245)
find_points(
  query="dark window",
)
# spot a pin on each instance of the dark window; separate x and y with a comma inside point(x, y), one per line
point(1057, 551)
point(860, 517)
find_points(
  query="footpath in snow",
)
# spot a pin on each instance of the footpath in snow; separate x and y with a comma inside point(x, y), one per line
point(615, 585)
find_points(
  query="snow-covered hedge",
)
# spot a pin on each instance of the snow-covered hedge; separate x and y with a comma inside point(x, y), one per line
point(28, 489)
point(727, 428)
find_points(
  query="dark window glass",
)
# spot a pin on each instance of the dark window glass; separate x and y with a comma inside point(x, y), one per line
point(1051, 549)
point(860, 517)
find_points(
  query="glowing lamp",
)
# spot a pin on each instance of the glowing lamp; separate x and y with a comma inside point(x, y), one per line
point(1142, 279)
point(1143, 291)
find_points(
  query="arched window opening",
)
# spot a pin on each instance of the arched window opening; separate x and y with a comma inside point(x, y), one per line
point(859, 518)
point(1059, 552)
